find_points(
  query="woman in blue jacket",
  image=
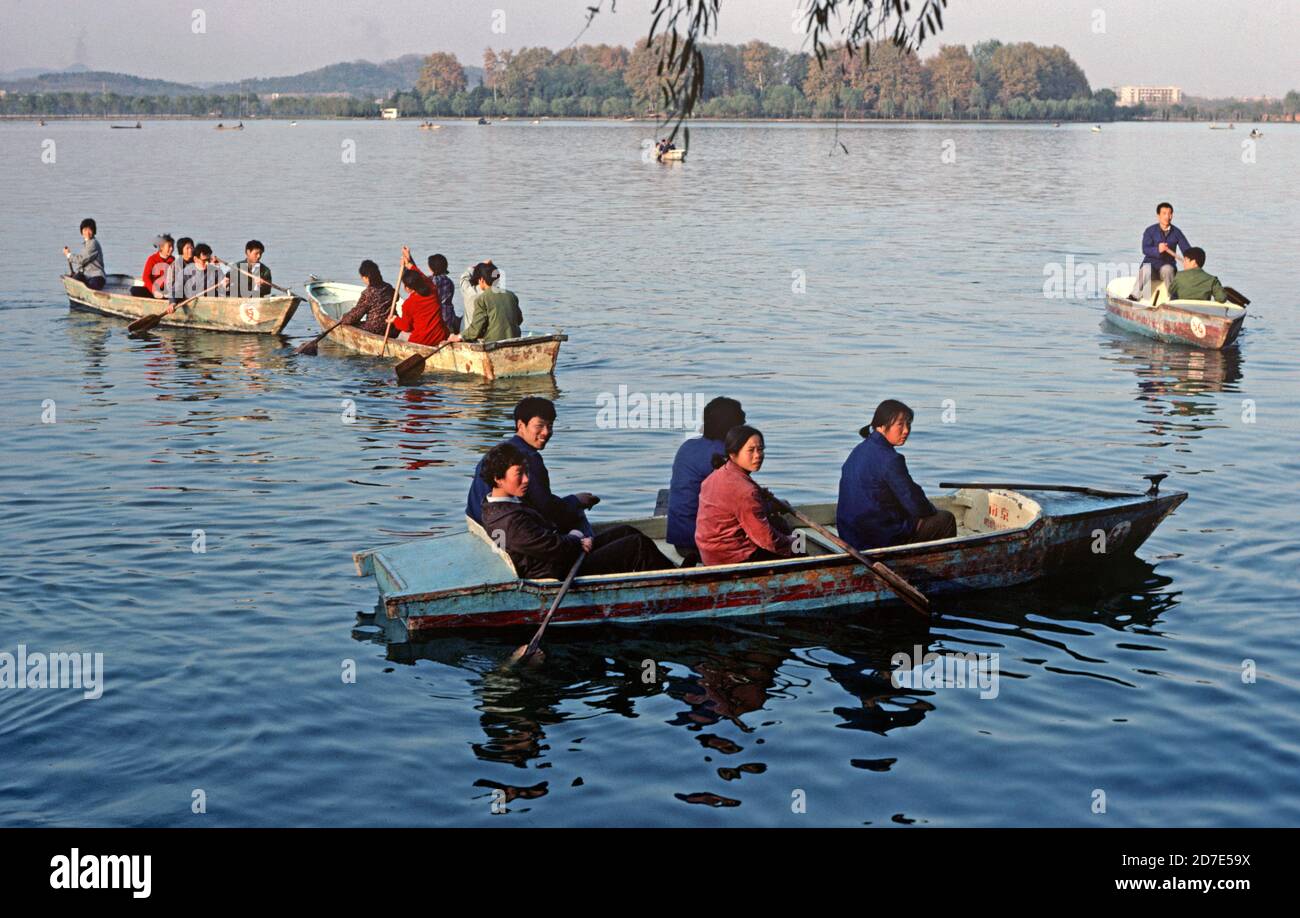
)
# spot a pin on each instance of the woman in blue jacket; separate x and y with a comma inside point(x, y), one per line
point(880, 505)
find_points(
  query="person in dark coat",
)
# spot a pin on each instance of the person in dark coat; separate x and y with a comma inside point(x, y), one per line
point(879, 503)
point(692, 464)
point(534, 423)
point(536, 547)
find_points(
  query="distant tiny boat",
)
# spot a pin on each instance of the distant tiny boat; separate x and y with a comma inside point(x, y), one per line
point(535, 121)
point(671, 156)
point(293, 124)
point(483, 120)
point(42, 122)
point(233, 127)
point(1199, 323)
point(1220, 127)
point(1056, 124)
point(1256, 133)
point(122, 127)
point(1096, 128)
point(430, 126)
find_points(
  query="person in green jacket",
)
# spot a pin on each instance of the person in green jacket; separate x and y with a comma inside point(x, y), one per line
point(1193, 282)
point(496, 311)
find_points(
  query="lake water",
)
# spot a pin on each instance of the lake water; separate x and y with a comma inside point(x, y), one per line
point(771, 267)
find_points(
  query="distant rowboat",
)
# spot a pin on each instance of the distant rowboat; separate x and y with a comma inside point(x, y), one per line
point(671, 156)
point(1006, 535)
point(534, 355)
point(254, 315)
point(1200, 323)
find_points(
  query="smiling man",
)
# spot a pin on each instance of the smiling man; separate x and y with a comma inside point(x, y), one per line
point(880, 505)
point(534, 424)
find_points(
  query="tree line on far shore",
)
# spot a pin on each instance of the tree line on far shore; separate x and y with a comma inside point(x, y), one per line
point(992, 80)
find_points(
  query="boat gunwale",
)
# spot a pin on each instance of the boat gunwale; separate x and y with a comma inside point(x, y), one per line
point(325, 320)
point(287, 304)
point(744, 570)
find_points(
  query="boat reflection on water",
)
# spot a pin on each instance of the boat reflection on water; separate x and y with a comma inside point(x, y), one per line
point(1177, 384)
point(739, 674)
point(420, 415)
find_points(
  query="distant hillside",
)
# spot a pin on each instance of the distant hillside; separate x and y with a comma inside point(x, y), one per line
point(359, 78)
point(123, 84)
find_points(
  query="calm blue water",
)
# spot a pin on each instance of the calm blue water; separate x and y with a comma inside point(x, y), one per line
point(923, 281)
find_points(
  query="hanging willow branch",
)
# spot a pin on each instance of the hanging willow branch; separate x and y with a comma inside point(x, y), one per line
point(679, 26)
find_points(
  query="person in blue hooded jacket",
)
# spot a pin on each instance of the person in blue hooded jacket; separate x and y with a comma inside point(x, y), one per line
point(879, 503)
point(692, 464)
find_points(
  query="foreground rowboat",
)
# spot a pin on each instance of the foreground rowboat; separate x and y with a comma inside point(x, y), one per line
point(530, 356)
point(266, 315)
point(1201, 323)
point(1006, 535)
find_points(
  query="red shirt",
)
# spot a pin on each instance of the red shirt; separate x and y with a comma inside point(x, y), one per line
point(732, 522)
point(422, 317)
point(155, 268)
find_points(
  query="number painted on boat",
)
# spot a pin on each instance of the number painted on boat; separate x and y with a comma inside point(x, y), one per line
point(249, 312)
point(1198, 327)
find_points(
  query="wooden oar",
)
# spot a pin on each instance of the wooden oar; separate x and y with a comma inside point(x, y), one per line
point(901, 588)
point(392, 307)
point(528, 651)
point(1235, 298)
point(145, 323)
point(413, 366)
point(260, 280)
point(309, 347)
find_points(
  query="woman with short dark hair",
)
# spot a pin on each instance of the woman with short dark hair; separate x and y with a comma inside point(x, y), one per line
point(692, 464)
point(733, 523)
point(88, 267)
point(371, 311)
point(879, 503)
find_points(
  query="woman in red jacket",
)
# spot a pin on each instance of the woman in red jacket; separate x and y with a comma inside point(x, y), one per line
point(732, 523)
point(420, 314)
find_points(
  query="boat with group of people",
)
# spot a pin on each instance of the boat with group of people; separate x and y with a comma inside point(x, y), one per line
point(719, 544)
point(1190, 306)
point(185, 285)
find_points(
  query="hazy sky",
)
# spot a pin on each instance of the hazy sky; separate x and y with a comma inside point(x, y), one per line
point(1209, 47)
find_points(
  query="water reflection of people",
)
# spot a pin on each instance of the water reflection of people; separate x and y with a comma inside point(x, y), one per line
point(1176, 381)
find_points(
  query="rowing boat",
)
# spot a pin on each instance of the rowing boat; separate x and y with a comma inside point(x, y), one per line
point(671, 155)
point(1006, 535)
point(1202, 323)
point(266, 315)
point(533, 355)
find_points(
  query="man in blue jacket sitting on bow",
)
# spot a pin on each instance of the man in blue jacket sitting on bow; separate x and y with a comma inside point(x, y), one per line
point(534, 424)
point(1158, 243)
point(880, 505)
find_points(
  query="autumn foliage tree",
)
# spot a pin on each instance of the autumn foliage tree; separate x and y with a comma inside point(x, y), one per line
point(442, 75)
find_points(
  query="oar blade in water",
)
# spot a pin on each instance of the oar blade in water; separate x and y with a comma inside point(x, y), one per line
point(410, 368)
point(144, 324)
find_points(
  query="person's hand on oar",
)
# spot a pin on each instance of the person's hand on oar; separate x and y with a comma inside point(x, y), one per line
point(900, 587)
point(531, 653)
point(146, 323)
